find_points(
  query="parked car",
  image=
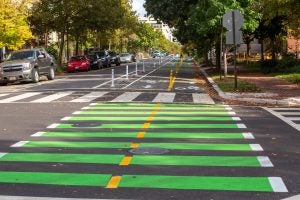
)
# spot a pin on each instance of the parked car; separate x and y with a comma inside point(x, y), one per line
point(28, 64)
point(105, 58)
point(156, 54)
point(114, 58)
point(95, 61)
point(125, 58)
point(78, 63)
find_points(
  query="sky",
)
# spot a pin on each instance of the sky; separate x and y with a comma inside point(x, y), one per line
point(138, 7)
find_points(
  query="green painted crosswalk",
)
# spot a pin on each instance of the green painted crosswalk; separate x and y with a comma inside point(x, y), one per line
point(192, 146)
point(143, 119)
point(152, 125)
point(261, 184)
point(254, 184)
point(226, 161)
point(159, 113)
point(183, 135)
point(207, 137)
point(71, 179)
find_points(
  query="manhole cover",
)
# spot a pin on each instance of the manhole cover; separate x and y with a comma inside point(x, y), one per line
point(149, 150)
point(86, 124)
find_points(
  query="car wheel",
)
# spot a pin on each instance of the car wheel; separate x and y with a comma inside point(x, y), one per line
point(3, 83)
point(118, 64)
point(35, 77)
point(51, 74)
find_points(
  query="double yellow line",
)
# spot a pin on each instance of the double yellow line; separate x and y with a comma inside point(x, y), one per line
point(173, 75)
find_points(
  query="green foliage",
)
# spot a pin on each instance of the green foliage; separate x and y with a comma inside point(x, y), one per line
point(52, 50)
point(288, 64)
point(14, 30)
point(293, 77)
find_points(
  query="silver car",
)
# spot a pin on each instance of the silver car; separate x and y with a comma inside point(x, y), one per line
point(27, 64)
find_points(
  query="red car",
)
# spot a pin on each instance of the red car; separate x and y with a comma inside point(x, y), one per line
point(78, 63)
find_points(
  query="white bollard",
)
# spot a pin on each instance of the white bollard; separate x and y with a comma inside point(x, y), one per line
point(136, 68)
point(143, 66)
point(112, 78)
point(126, 72)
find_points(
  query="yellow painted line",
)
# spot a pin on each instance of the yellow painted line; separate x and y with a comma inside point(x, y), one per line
point(141, 135)
point(146, 125)
point(153, 113)
point(150, 119)
point(114, 182)
point(134, 145)
point(126, 161)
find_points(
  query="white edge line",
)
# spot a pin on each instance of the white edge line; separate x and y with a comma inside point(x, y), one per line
point(236, 119)
point(93, 104)
point(76, 113)
point(85, 108)
point(277, 184)
point(19, 144)
point(66, 118)
point(38, 134)
point(228, 108)
point(2, 154)
point(248, 136)
point(256, 147)
point(53, 126)
point(286, 120)
point(265, 161)
point(241, 126)
point(231, 113)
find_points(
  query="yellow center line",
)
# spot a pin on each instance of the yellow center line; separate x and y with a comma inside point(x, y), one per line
point(114, 182)
point(146, 126)
point(126, 161)
point(141, 135)
point(134, 145)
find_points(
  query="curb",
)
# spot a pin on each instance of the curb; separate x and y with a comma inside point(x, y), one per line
point(249, 100)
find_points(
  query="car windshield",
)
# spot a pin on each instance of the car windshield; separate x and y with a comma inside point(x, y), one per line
point(92, 57)
point(124, 54)
point(101, 53)
point(77, 58)
point(20, 55)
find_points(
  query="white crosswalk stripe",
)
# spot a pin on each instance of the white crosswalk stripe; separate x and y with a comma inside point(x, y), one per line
point(202, 98)
point(2, 95)
point(127, 97)
point(289, 115)
point(52, 97)
point(164, 97)
point(89, 97)
point(160, 97)
point(19, 97)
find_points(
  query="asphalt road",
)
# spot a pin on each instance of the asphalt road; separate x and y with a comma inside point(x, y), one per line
point(191, 148)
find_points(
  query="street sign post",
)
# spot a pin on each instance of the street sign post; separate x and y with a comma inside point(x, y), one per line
point(233, 20)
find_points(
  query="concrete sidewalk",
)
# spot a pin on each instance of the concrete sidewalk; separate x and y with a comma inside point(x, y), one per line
point(275, 91)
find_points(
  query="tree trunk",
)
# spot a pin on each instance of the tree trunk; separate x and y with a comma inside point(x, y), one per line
point(273, 49)
point(61, 47)
point(68, 49)
point(77, 46)
point(262, 50)
point(248, 51)
point(218, 54)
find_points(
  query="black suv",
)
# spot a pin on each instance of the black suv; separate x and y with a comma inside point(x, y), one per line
point(114, 58)
point(95, 61)
point(104, 57)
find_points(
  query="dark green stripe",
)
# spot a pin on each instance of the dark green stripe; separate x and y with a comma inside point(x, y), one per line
point(162, 126)
point(194, 146)
point(68, 158)
point(200, 146)
point(147, 135)
point(78, 144)
point(255, 184)
point(158, 113)
point(70, 179)
point(225, 161)
point(173, 118)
